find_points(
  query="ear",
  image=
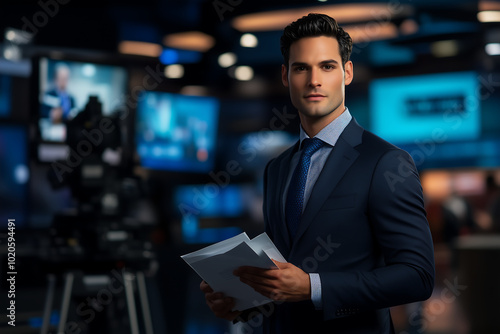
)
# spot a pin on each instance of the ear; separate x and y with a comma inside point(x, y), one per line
point(284, 75)
point(348, 73)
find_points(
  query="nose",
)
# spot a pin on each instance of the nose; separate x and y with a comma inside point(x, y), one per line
point(314, 79)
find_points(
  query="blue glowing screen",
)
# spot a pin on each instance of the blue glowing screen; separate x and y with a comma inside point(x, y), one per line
point(195, 203)
point(176, 132)
point(443, 106)
point(64, 91)
point(4, 95)
point(14, 174)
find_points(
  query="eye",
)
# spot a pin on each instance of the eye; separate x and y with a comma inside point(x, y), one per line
point(328, 67)
point(300, 68)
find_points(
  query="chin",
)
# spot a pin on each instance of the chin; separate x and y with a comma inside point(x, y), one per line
point(316, 113)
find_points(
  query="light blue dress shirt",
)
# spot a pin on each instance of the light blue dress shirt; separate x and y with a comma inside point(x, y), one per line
point(329, 134)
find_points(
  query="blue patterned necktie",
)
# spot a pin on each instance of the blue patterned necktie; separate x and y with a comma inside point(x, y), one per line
point(295, 196)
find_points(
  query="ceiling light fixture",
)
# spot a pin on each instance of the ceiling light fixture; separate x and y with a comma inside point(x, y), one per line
point(243, 73)
point(443, 49)
point(140, 48)
point(249, 40)
point(488, 5)
point(408, 27)
point(361, 33)
point(343, 13)
point(195, 90)
point(489, 16)
point(190, 40)
point(492, 49)
point(227, 59)
point(175, 71)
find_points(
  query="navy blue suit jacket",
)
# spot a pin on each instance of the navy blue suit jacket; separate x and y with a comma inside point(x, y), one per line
point(364, 230)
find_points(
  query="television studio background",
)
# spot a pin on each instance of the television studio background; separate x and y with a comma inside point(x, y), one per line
point(171, 110)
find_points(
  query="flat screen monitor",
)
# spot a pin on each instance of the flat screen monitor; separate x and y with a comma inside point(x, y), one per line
point(64, 89)
point(444, 120)
point(5, 94)
point(418, 108)
point(14, 174)
point(210, 213)
point(176, 132)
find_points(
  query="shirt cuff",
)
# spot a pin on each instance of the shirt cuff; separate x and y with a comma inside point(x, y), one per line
point(316, 291)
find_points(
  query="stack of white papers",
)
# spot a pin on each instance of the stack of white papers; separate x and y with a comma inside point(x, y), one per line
point(215, 264)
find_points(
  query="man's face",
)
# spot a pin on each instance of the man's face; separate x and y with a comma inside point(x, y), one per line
point(316, 79)
point(62, 78)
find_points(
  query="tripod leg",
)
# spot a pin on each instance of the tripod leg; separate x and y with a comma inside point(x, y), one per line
point(48, 304)
point(68, 286)
point(129, 292)
point(143, 295)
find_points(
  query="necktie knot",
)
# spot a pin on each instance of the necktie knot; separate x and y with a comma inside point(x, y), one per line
point(311, 145)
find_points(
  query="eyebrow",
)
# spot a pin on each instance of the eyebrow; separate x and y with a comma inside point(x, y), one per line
point(328, 61)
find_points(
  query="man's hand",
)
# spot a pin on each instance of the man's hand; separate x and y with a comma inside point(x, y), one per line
point(220, 305)
point(290, 283)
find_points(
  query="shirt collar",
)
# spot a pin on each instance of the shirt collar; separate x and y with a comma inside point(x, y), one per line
point(331, 133)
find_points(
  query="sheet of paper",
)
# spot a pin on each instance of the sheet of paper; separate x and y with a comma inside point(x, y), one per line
point(216, 248)
point(217, 271)
point(215, 264)
point(263, 246)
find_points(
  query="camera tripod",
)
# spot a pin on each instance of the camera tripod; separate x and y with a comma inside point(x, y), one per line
point(106, 285)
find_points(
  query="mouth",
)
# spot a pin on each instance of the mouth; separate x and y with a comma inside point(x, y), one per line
point(314, 97)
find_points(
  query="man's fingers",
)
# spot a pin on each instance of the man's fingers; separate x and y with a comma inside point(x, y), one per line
point(219, 300)
point(267, 291)
point(253, 280)
point(250, 270)
point(281, 265)
point(205, 287)
point(220, 305)
point(222, 308)
point(266, 277)
point(254, 271)
point(214, 296)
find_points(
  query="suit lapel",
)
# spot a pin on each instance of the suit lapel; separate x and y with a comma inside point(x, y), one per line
point(341, 158)
point(284, 169)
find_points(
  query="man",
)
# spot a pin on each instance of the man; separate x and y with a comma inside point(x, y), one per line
point(57, 103)
point(361, 242)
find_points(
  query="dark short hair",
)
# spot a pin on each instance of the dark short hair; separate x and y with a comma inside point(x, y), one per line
point(314, 25)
